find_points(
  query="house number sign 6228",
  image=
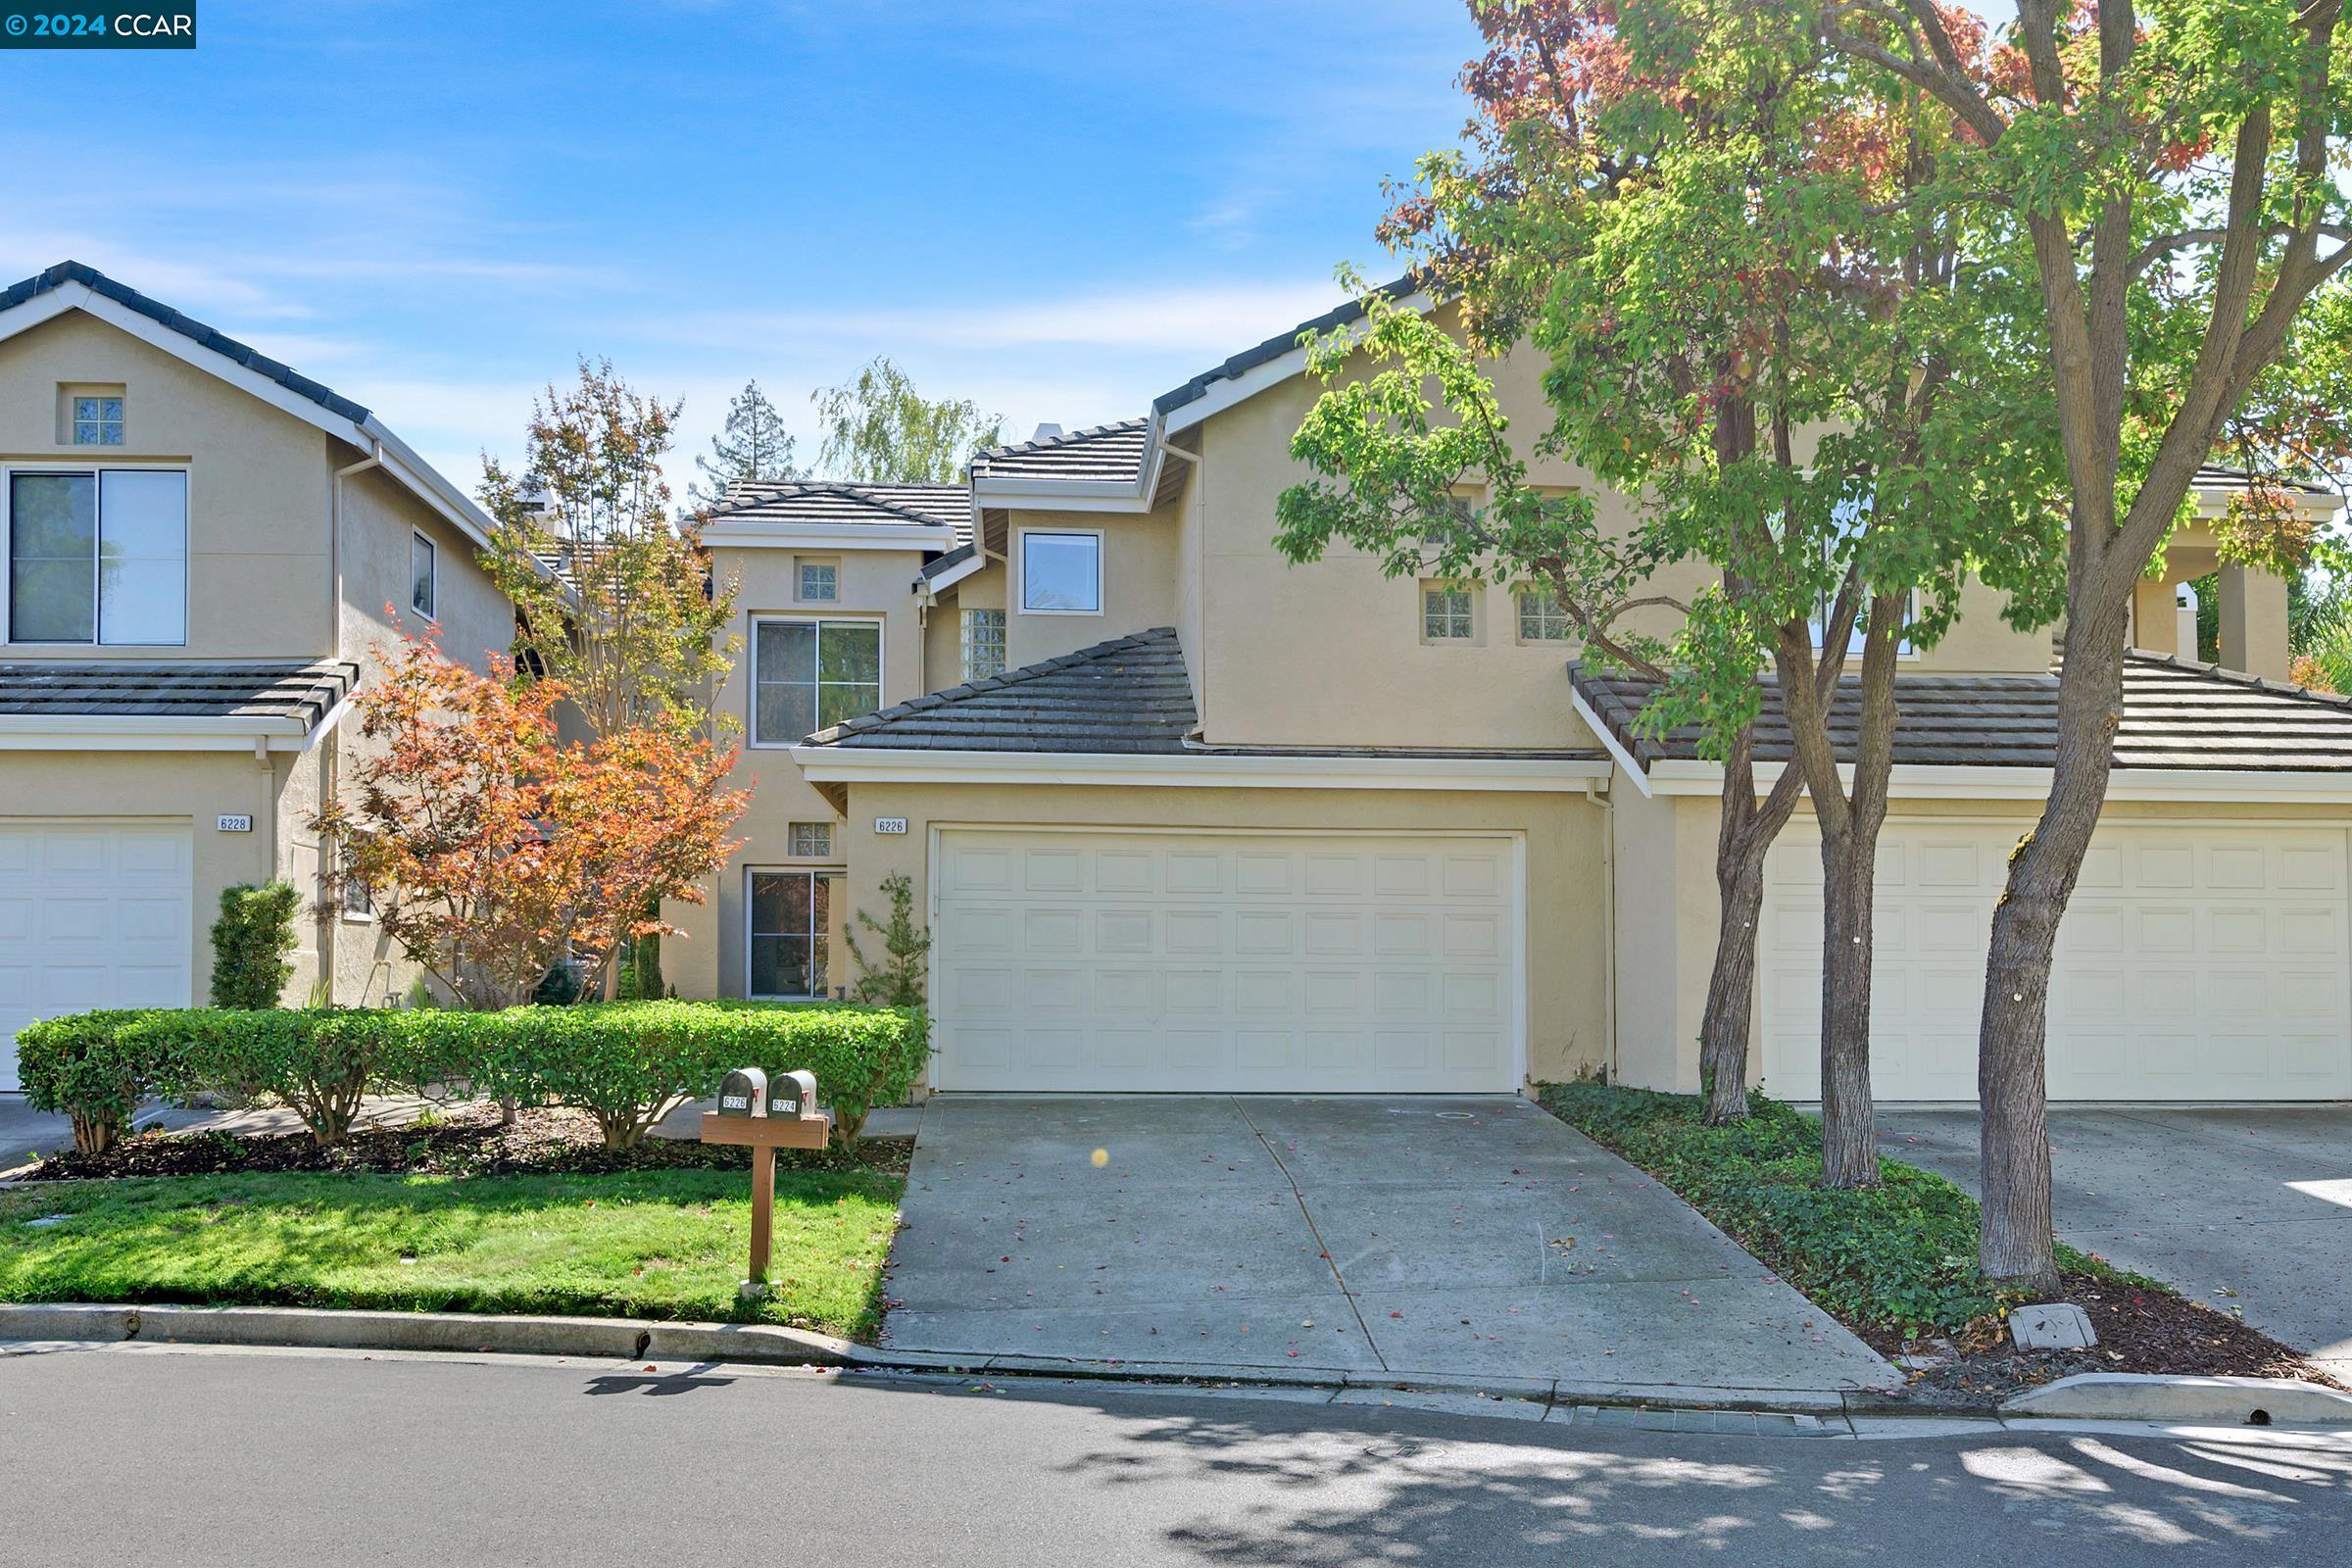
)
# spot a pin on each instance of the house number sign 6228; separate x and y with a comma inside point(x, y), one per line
point(236, 824)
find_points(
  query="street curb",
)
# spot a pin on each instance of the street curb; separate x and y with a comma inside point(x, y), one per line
point(2184, 1401)
point(631, 1339)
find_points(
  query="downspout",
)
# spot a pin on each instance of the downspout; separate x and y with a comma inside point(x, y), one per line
point(329, 779)
point(1596, 796)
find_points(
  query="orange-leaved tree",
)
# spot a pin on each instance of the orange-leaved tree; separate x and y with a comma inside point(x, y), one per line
point(491, 848)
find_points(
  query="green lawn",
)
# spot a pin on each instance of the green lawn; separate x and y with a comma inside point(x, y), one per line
point(659, 1243)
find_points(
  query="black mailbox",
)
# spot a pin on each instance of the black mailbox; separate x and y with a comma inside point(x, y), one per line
point(792, 1093)
point(744, 1093)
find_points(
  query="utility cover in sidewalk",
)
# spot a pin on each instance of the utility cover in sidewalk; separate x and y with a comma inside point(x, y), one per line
point(2062, 1326)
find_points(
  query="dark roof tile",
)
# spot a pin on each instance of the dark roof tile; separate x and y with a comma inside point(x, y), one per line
point(1128, 695)
point(299, 693)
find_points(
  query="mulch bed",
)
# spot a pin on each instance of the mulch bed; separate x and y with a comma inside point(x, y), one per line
point(2139, 1330)
point(464, 1140)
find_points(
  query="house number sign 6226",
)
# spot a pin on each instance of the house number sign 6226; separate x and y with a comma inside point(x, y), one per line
point(890, 824)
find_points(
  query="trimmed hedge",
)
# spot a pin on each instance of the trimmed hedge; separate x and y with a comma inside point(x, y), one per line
point(627, 1063)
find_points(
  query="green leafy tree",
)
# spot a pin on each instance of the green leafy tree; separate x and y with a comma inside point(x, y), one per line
point(2169, 176)
point(252, 941)
point(898, 979)
point(755, 445)
point(879, 431)
point(1754, 321)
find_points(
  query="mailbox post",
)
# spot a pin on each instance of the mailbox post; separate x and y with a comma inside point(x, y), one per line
point(767, 1114)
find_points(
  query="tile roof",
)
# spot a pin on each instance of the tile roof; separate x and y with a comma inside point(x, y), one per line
point(1274, 348)
point(819, 502)
point(300, 694)
point(285, 375)
point(1127, 694)
point(1106, 453)
point(2177, 714)
point(940, 564)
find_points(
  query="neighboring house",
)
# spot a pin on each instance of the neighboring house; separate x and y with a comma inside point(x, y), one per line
point(1184, 817)
point(202, 549)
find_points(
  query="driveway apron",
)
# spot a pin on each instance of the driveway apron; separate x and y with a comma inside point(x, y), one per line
point(1470, 1238)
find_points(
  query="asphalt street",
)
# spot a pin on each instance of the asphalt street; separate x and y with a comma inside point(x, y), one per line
point(164, 1456)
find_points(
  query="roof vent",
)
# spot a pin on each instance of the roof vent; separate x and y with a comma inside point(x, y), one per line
point(1047, 432)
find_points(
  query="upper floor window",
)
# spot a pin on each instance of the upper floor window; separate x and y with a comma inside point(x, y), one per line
point(1540, 617)
point(98, 556)
point(983, 644)
point(1062, 573)
point(821, 582)
point(97, 422)
point(423, 588)
point(1448, 613)
point(808, 675)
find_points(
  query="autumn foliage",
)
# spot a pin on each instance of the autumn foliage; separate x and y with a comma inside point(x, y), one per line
point(492, 849)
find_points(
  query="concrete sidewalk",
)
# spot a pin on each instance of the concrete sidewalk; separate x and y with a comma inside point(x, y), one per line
point(1446, 1237)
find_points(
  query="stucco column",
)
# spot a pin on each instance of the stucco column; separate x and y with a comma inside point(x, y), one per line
point(2154, 629)
point(2253, 621)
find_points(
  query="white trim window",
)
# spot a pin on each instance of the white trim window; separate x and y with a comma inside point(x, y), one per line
point(98, 556)
point(1540, 617)
point(1449, 613)
point(983, 644)
point(787, 917)
point(1061, 572)
point(423, 576)
point(810, 674)
point(821, 582)
point(98, 420)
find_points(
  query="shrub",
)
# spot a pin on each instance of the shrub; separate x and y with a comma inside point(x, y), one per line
point(90, 1067)
point(630, 1063)
point(898, 980)
point(250, 944)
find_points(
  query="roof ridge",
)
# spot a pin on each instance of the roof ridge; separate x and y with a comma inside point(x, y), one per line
point(1048, 443)
point(848, 489)
point(2234, 677)
point(992, 683)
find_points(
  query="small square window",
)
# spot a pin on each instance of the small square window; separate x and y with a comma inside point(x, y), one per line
point(1446, 615)
point(812, 841)
point(1062, 573)
point(821, 582)
point(1540, 617)
point(983, 644)
point(422, 589)
point(97, 422)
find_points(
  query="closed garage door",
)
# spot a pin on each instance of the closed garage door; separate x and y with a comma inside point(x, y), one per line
point(1231, 963)
point(2196, 961)
point(91, 915)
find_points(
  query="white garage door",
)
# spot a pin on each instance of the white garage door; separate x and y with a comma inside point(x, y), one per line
point(91, 915)
point(2196, 961)
point(1330, 964)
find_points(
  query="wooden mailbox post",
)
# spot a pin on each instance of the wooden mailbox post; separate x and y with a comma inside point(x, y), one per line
point(767, 1115)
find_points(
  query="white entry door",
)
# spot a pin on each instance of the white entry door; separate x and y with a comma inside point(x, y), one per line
point(2196, 961)
point(1329, 962)
point(92, 915)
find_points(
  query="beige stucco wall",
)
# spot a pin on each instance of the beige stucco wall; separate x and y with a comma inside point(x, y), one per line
point(1564, 833)
point(256, 485)
point(706, 958)
point(943, 630)
point(1139, 583)
point(260, 585)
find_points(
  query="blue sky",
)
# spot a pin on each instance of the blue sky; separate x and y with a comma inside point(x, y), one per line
point(1057, 210)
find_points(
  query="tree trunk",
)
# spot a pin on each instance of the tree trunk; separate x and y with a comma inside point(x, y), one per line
point(1849, 1156)
point(2016, 1245)
point(1742, 842)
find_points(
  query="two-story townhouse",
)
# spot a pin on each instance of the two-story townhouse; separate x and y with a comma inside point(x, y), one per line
point(1220, 823)
point(204, 553)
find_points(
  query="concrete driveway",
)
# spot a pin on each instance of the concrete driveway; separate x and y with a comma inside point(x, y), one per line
point(1477, 1238)
point(2247, 1208)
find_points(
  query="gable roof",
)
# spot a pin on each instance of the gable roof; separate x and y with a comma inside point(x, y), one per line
point(1128, 695)
point(1113, 452)
point(822, 503)
point(139, 702)
point(1274, 348)
point(73, 286)
point(2178, 715)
